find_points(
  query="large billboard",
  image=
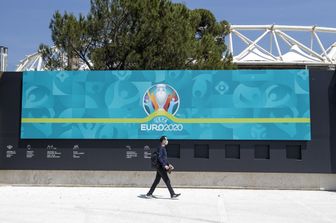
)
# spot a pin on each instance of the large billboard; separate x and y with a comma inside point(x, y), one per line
point(189, 105)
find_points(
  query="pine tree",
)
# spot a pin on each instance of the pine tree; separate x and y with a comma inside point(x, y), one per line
point(138, 35)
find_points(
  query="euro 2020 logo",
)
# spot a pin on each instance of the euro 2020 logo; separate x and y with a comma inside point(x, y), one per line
point(161, 97)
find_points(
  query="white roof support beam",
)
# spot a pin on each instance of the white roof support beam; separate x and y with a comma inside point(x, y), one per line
point(299, 44)
point(230, 43)
point(284, 28)
point(251, 45)
point(277, 45)
point(321, 46)
point(249, 42)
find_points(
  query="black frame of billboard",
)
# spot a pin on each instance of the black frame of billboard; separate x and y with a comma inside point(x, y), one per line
point(315, 156)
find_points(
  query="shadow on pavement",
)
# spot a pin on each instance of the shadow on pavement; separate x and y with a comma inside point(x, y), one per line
point(143, 196)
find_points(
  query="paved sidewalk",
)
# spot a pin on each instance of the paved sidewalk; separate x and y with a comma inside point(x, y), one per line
point(103, 205)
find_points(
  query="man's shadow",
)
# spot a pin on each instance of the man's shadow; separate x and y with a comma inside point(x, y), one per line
point(143, 196)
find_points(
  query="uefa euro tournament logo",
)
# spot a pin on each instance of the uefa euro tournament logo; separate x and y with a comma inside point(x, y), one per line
point(161, 98)
point(161, 101)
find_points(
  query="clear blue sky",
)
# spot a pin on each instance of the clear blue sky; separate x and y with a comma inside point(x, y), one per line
point(25, 24)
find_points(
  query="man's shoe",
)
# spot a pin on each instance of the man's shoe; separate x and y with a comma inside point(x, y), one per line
point(175, 195)
point(149, 196)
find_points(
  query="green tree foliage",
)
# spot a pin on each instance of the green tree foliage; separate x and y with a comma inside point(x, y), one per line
point(136, 35)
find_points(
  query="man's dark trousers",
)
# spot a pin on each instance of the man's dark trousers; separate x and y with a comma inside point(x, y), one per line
point(161, 173)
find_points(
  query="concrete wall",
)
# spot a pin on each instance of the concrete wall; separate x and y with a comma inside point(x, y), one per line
point(297, 181)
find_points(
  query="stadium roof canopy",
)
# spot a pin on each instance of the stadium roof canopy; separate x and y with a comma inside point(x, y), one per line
point(260, 45)
point(282, 45)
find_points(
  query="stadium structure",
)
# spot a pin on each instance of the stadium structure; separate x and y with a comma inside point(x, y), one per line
point(259, 46)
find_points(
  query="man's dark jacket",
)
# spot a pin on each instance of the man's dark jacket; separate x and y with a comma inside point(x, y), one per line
point(163, 156)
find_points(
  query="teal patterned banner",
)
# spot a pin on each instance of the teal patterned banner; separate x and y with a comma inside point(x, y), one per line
point(192, 105)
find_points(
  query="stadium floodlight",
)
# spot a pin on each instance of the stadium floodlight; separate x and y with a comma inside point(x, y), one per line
point(3, 58)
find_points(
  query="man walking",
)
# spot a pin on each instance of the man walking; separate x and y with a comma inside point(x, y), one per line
point(162, 168)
